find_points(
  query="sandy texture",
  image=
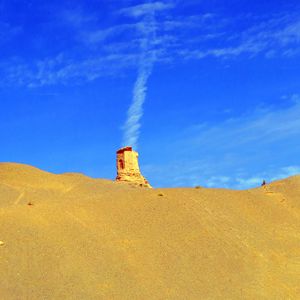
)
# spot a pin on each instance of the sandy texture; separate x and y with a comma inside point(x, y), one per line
point(72, 237)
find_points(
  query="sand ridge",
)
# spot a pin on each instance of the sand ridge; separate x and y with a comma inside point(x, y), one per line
point(84, 238)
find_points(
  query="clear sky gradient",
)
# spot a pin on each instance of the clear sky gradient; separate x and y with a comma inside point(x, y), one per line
point(218, 96)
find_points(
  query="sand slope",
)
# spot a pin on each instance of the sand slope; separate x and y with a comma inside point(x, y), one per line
point(84, 238)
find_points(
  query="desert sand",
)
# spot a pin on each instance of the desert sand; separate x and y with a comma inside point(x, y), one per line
point(73, 237)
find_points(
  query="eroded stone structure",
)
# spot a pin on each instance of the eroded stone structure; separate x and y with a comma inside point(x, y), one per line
point(128, 167)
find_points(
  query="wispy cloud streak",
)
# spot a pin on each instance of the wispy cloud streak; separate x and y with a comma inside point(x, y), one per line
point(98, 49)
point(235, 153)
point(147, 58)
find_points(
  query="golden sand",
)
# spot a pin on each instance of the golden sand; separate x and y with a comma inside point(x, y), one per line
point(72, 237)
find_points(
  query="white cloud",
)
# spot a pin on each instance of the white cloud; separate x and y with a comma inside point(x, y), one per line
point(287, 172)
point(269, 176)
point(279, 36)
point(289, 34)
point(146, 62)
point(178, 37)
point(245, 183)
point(63, 70)
point(255, 181)
point(217, 181)
point(262, 126)
point(98, 36)
point(236, 153)
point(146, 8)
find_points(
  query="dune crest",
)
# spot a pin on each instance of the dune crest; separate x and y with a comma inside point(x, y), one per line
point(73, 237)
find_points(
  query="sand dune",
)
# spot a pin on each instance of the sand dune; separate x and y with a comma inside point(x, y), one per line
point(72, 237)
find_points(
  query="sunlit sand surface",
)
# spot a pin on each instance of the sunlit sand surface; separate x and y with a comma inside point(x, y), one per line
point(72, 237)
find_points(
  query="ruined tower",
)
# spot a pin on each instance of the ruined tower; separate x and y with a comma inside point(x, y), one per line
point(128, 167)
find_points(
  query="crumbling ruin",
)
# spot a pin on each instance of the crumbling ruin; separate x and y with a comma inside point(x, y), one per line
point(128, 167)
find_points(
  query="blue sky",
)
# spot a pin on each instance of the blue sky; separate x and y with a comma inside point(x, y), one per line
point(208, 91)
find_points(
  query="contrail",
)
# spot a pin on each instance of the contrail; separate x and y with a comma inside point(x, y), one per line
point(147, 58)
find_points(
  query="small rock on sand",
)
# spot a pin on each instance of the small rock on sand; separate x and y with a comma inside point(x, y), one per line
point(1, 243)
